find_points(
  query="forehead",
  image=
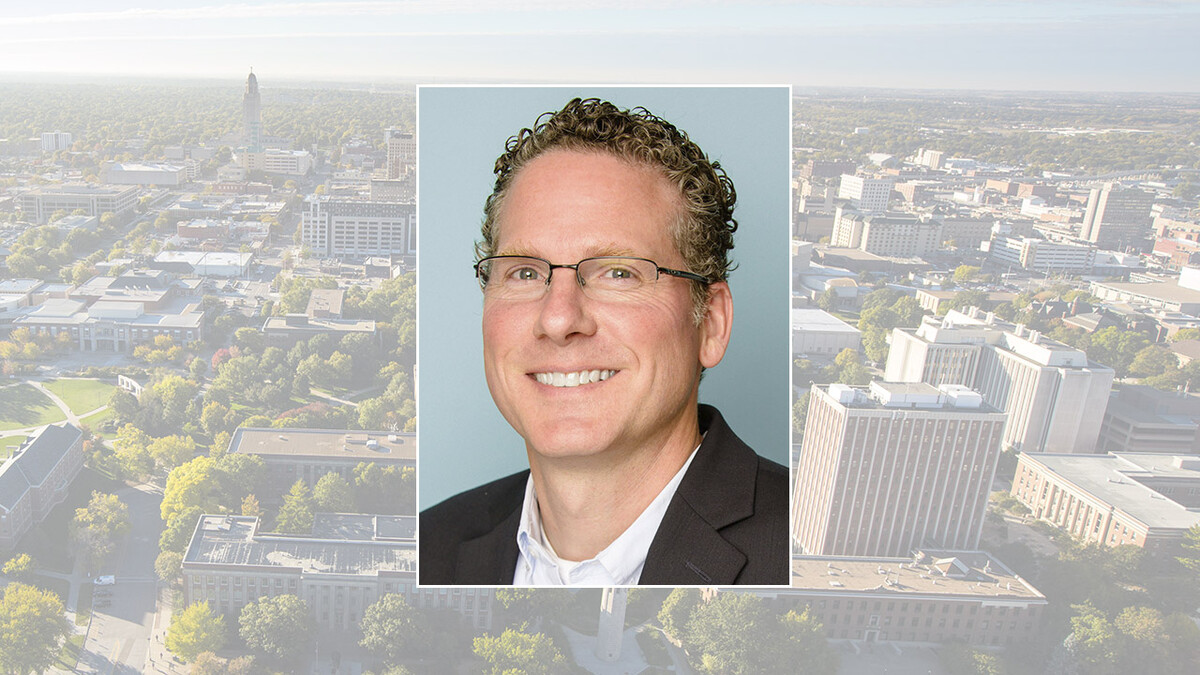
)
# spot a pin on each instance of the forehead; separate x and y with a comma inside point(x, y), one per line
point(588, 203)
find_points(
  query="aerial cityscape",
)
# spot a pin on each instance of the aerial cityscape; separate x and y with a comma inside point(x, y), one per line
point(208, 374)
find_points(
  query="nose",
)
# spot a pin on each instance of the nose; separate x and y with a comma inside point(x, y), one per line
point(565, 312)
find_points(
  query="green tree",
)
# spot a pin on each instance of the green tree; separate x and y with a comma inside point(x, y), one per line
point(726, 635)
point(33, 627)
point(332, 494)
point(168, 565)
point(965, 273)
point(250, 507)
point(677, 611)
point(392, 629)
point(178, 530)
point(21, 567)
point(169, 452)
point(964, 299)
point(1093, 640)
point(96, 528)
point(516, 652)
point(296, 513)
point(131, 450)
point(1153, 360)
point(194, 630)
point(275, 626)
point(192, 484)
point(1190, 550)
point(802, 640)
point(1186, 334)
point(800, 412)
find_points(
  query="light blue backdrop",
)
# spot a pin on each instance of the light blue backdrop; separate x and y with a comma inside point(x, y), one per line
point(463, 439)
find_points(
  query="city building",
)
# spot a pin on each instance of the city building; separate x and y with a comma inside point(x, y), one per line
point(285, 331)
point(224, 264)
point(401, 152)
point(967, 233)
point(148, 174)
point(252, 115)
point(938, 302)
point(890, 235)
point(349, 227)
point(1053, 395)
point(1144, 419)
point(894, 468)
point(826, 168)
point(36, 478)
point(866, 194)
point(1117, 217)
point(274, 160)
point(929, 158)
point(1141, 499)
point(816, 332)
point(339, 570)
point(39, 204)
point(53, 141)
point(1040, 255)
point(926, 599)
point(1172, 295)
point(308, 454)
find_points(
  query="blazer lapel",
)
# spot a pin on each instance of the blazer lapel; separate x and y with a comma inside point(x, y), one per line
point(717, 491)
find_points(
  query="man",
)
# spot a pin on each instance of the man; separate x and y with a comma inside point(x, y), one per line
point(603, 266)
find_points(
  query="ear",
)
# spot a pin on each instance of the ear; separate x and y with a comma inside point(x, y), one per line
point(716, 325)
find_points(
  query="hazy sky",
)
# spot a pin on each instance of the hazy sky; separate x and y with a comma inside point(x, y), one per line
point(1105, 45)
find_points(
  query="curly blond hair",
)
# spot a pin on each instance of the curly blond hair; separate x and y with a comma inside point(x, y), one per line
point(704, 236)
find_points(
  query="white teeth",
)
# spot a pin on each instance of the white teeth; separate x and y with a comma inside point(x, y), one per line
point(574, 379)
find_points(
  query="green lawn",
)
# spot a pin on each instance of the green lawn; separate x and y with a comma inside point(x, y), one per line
point(97, 420)
point(23, 406)
point(7, 441)
point(81, 395)
point(69, 656)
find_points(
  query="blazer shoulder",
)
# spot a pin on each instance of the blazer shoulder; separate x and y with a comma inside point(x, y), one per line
point(478, 510)
point(470, 515)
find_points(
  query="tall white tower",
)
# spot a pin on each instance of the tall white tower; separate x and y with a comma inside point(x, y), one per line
point(612, 624)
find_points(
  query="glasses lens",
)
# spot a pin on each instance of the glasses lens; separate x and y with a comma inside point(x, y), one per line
point(513, 275)
point(616, 275)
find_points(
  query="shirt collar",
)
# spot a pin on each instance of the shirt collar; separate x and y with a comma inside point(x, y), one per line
point(619, 564)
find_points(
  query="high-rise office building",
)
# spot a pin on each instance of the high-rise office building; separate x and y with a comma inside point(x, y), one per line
point(866, 194)
point(1117, 217)
point(897, 467)
point(354, 227)
point(1054, 396)
point(252, 114)
point(401, 153)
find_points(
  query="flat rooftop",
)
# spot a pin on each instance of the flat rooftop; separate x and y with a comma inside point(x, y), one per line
point(233, 540)
point(1113, 478)
point(364, 527)
point(969, 574)
point(1169, 291)
point(819, 321)
point(366, 446)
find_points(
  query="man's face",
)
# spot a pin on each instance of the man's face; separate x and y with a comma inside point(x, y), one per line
point(565, 206)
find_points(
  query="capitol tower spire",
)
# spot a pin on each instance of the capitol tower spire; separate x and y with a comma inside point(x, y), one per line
point(252, 114)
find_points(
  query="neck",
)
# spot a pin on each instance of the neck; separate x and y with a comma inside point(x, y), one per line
point(586, 503)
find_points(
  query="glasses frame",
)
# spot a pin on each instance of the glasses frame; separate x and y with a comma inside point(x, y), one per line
point(659, 270)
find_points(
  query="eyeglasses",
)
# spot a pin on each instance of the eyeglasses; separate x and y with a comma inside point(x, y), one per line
point(519, 277)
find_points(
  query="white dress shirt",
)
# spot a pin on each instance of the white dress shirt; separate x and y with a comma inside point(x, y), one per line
point(620, 564)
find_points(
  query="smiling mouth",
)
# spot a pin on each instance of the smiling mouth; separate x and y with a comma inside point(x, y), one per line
point(574, 379)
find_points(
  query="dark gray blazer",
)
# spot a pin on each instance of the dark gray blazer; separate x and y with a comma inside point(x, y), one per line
point(727, 524)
